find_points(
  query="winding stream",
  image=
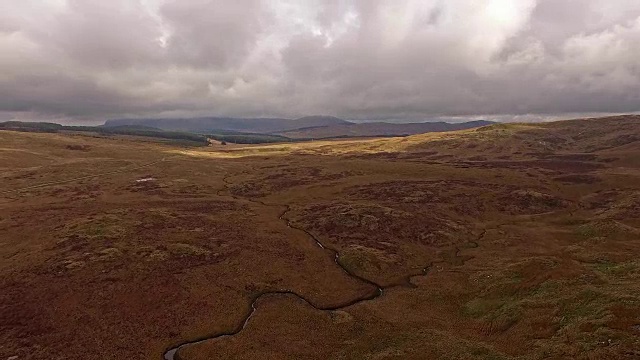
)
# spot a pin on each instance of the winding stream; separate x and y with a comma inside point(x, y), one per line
point(376, 289)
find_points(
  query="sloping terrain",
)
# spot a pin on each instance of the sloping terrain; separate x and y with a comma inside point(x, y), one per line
point(178, 138)
point(212, 124)
point(514, 241)
point(378, 129)
point(309, 127)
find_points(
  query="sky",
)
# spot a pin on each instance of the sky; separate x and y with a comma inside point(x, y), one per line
point(405, 60)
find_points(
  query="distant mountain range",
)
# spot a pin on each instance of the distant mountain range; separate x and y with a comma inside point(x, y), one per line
point(310, 127)
point(215, 124)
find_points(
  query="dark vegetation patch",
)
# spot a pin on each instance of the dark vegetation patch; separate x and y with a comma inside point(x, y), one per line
point(463, 198)
point(558, 166)
point(76, 147)
point(248, 138)
point(183, 137)
point(378, 226)
point(617, 204)
point(523, 202)
point(578, 179)
point(417, 156)
point(383, 242)
point(144, 131)
point(110, 238)
point(568, 157)
point(285, 178)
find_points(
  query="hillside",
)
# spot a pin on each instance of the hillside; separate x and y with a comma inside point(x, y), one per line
point(213, 124)
point(184, 138)
point(510, 241)
point(310, 127)
point(378, 129)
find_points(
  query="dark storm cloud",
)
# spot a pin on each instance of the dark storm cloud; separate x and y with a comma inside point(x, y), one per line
point(400, 59)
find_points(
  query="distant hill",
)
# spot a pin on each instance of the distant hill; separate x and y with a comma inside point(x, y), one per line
point(185, 138)
point(567, 146)
point(309, 127)
point(247, 125)
point(378, 129)
point(30, 126)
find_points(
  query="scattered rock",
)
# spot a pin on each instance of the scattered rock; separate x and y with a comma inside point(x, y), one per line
point(145, 180)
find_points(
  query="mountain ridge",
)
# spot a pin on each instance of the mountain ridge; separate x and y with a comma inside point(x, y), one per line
point(312, 127)
point(207, 124)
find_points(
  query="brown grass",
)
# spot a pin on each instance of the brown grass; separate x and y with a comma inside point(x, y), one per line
point(529, 234)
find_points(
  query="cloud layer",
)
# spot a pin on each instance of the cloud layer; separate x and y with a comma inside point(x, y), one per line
point(361, 59)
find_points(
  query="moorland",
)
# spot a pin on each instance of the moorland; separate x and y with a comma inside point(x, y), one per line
point(510, 241)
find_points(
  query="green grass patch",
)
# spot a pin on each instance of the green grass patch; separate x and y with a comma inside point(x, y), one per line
point(479, 307)
point(547, 289)
point(589, 303)
point(587, 231)
point(617, 269)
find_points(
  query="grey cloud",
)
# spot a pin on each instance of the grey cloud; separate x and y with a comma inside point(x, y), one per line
point(400, 59)
point(214, 33)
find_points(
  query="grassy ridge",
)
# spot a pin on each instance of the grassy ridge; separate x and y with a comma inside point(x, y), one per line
point(193, 139)
point(248, 138)
point(147, 131)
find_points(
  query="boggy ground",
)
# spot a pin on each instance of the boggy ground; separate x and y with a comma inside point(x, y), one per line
point(529, 235)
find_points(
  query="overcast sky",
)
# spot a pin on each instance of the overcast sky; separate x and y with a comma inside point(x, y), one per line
point(359, 59)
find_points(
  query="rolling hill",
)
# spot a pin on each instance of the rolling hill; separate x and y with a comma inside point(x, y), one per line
point(309, 127)
point(510, 241)
point(212, 124)
point(378, 129)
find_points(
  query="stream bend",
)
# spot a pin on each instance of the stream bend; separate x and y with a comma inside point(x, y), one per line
point(377, 290)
